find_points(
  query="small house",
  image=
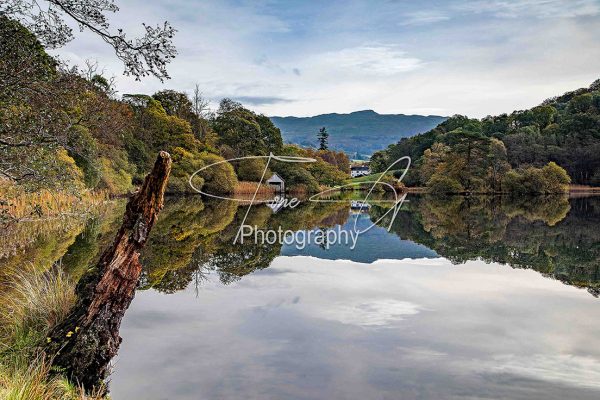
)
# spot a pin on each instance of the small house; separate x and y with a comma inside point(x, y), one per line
point(359, 170)
point(277, 183)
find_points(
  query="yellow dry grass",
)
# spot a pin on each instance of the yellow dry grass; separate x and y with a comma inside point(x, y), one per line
point(245, 187)
point(18, 204)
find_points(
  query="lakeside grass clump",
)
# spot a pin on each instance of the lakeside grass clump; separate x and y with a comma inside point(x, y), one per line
point(31, 303)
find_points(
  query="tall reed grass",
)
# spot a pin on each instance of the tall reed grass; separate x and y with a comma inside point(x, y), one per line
point(31, 303)
point(18, 204)
point(583, 188)
point(32, 380)
point(245, 187)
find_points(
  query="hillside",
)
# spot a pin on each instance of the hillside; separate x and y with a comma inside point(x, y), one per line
point(362, 132)
point(508, 152)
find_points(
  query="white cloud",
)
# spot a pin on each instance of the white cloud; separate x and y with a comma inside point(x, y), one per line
point(534, 8)
point(377, 59)
point(397, 58)
point(372, 313)
point(423, 17)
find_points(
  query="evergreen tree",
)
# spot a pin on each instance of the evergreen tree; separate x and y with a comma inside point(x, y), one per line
point(323, 137)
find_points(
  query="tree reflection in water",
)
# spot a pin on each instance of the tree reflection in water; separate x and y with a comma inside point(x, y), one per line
point(553, 235)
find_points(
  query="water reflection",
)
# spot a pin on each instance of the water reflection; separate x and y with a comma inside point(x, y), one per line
point(306, 328)
point(553, 235)
point(73, 241)
point(394, 318)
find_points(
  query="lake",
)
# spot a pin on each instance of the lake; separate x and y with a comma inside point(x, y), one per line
point(454, 298)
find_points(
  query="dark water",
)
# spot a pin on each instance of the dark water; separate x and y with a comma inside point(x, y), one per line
point(462, 298)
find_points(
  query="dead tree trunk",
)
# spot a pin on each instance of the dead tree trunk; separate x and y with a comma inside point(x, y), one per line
point(83, 345)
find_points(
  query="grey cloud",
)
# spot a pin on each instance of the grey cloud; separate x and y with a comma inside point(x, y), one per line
point(261, 100)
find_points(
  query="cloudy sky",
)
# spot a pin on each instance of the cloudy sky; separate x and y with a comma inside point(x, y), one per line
point(303, 58)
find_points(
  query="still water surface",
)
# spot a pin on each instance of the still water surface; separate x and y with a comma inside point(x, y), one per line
point(391, 319)
point(462, 298)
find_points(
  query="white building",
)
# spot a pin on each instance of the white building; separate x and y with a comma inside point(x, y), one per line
point(277, 182)
point(360, 171)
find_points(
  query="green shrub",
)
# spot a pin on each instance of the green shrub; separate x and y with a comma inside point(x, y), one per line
point(251, 169)
point(512, 182)
point(219, 178)
point(531, 180)
point(441, 184)
point(113, 178)
point(557, 179)
point(327, 174)
point(185, 163)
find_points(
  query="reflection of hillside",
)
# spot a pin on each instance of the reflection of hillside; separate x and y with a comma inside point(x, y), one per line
point(193, 238)
point(552, 235)
point(547, 234)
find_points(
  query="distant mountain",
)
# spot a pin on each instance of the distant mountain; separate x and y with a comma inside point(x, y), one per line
point(360, 132)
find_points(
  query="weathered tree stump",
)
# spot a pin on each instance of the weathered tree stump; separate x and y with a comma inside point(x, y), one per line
point(83, 345)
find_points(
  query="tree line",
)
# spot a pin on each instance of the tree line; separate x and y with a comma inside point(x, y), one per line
point(540, 150)
point(65, 129)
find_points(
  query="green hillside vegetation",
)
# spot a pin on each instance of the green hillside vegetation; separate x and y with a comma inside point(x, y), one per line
point(67, 131)
point(64, 130)
point(540, 150)
point(359, 133)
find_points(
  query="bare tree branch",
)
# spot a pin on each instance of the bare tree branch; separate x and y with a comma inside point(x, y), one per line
point(200, 104)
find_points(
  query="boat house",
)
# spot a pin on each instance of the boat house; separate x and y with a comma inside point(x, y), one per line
point(277, 183)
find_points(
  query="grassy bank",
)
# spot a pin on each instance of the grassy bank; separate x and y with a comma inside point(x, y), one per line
point(31, 302)
point(368, 178)
point(35, 294)
point(366, 182)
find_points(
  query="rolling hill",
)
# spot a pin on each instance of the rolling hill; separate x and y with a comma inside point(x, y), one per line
point(359, 133)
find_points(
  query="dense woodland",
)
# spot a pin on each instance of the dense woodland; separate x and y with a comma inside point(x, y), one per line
point(66, 130)
point(519, 152)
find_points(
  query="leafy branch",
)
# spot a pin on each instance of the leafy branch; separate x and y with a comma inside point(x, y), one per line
point(143, 56)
